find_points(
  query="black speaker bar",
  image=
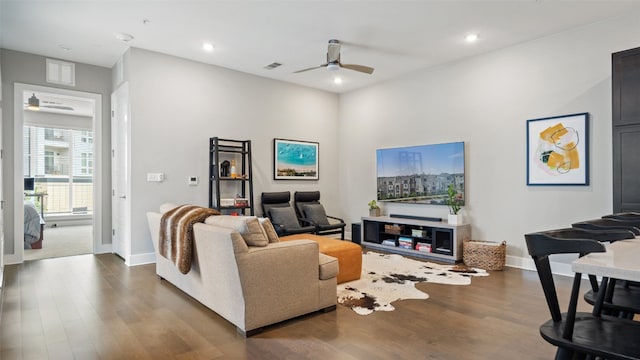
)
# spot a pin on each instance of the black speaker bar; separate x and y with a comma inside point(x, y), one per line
point(425, 218)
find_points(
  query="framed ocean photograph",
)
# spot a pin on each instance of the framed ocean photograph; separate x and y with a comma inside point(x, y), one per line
point(295, 160)
point(558, 150)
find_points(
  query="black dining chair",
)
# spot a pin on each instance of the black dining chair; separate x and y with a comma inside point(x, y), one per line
point(608, 224)
point(621, 300)
point(579, 335)
point(630, 215)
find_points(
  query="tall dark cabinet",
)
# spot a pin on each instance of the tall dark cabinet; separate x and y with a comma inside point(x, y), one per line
point(626, 130)
point(230, 176)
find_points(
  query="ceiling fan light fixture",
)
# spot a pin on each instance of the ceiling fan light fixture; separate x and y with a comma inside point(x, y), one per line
point(333, 66)
point(34, 103)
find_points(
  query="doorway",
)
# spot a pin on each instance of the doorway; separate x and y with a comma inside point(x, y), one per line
point(58, 156)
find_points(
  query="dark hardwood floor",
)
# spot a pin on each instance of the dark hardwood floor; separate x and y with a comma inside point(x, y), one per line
point(95, 307)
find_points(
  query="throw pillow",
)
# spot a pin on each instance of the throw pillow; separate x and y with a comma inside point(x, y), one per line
point(272, 235)
point(285, 217)
point(316, 213)
point(248, 226)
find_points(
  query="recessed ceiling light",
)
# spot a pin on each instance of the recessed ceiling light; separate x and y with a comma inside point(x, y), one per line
point(124, 37)
point(208, 47)
point(471, 38)
point(337, 80)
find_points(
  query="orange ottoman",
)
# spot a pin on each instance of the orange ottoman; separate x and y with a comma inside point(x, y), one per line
point(349, 255)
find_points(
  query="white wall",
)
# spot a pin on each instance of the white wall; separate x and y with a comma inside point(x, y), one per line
point(485, 102)
point(178, 104)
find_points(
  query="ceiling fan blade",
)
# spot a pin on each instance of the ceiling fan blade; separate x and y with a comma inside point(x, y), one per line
point(311, 68)
point(360, 68)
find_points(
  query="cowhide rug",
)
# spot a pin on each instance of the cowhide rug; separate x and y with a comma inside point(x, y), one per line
point(388, 278)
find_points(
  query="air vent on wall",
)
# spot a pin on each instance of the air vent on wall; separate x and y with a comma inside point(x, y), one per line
point(61, 72)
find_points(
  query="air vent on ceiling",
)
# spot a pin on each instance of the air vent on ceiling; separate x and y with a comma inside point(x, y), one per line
point(272, 66)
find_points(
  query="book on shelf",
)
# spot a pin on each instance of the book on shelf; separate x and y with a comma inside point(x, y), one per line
point(389, 242)
point(423, 247)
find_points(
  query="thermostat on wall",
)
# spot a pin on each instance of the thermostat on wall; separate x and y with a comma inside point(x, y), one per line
point(193, 180)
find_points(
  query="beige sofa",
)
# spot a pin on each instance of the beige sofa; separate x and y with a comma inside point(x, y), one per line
point(252, 286)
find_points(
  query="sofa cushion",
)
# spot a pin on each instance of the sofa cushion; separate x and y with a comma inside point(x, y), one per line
point(285, 217)
point(272, 235)
point(166, 207)
point(328, 266)
point(316, 213)
point(248, 226)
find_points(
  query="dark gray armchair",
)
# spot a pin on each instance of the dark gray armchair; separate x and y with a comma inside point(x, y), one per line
point(309, 208)
point(277, 207)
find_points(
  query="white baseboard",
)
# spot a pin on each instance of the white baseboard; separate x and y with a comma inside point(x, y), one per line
point(141, 259)
point(103, 249)
point(557, 268)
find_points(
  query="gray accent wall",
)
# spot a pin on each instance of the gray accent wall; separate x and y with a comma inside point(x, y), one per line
point(485, 102)
point(20, 67)
point(177, 105)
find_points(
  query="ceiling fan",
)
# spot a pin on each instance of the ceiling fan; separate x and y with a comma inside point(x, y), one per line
point(35, 104)
point(333, 61)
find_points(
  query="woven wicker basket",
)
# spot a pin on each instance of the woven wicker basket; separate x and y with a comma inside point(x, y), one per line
point(485, 255)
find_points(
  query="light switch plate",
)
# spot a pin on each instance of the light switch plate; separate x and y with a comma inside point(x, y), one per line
point(155, 177)
point(193, 180)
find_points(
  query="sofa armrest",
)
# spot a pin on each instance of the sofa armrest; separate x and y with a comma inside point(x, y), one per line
point(281, 280)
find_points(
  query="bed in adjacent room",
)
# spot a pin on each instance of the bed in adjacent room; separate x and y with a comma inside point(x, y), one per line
point(33, 227)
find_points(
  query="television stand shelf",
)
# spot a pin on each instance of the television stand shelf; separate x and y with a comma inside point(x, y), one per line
point(426, 239)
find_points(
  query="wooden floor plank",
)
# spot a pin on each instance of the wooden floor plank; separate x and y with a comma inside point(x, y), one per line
point(95, 307)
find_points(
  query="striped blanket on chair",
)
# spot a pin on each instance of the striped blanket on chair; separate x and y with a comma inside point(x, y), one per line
point(176, 233)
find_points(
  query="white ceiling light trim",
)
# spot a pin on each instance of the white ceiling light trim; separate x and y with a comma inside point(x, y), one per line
point(123, 37)
point(208, 47)
point(471, 38)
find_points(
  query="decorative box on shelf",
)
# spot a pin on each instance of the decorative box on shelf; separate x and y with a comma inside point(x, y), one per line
point(418, 233)
point(393, 229)
point(241, 202)
point(227, 202)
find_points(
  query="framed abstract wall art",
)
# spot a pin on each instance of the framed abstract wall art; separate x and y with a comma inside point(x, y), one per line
point(558, 150)
point(295, 160)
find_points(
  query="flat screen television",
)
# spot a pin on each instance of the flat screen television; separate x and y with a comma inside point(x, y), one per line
point(420, 174)
point(29, 184)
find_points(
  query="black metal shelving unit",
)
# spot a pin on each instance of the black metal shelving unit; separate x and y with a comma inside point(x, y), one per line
point(226, 189)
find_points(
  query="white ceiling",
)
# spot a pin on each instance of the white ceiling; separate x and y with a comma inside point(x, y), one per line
point(394, 36)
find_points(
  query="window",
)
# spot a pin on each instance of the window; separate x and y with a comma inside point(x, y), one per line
point(86, 137)
point(48, 162)
point(86, 163)
point(61, 160)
